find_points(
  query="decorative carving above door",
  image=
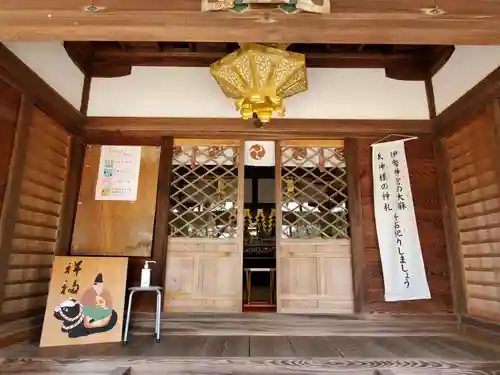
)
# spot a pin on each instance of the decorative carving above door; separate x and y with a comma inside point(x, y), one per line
point(286, 6)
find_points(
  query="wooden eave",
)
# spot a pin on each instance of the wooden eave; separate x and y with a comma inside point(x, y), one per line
point(116, 59)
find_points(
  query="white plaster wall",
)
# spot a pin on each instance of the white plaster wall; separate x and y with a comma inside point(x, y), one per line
point(192, 92)
point(467, 66)
point(51, 62)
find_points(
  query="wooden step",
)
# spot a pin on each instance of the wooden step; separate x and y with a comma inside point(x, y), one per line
point(291, 325)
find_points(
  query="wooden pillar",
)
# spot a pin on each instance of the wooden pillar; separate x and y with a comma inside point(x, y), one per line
point(85, 94)
point(356, 222)
point(70, 198)
point(431, 100)
point(496, 112)
point(279, 222)
point(450, 222)
point(161, 230)
point(13, 188)
point(493, 113)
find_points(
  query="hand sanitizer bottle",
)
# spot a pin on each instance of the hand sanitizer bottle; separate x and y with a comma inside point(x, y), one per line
point(146, 274)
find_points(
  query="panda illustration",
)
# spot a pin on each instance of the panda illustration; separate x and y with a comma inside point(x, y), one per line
point(75, 323)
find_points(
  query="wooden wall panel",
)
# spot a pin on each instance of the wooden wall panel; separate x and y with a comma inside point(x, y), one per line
point(423, 177)
point(315, 276)
point(33, 172)
point(38, 193)
point(203, 275)
point(10, 100)
point(121, 228)
point(118, 228)
point(473, 157)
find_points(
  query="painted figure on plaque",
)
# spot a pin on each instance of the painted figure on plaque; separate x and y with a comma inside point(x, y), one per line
point(287, 6)
point(94, 313)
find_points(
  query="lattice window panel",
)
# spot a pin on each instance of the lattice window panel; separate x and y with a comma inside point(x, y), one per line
point(204, 192)
point(313, 193)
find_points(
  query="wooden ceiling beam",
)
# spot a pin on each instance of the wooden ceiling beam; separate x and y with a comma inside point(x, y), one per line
point(117, 59)
point(82, 54)
point(223, 128)
point(204, 59)
point(458, 7)
point(423, 64)
point(380, 23)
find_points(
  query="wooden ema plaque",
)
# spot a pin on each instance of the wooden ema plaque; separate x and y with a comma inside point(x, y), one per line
point(86, 301)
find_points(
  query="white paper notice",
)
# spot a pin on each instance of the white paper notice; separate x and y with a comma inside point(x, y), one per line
point(118, 177)
point(399, 243)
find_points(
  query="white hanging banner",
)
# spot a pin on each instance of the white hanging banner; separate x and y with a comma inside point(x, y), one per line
point(118, 177)
point(260, 153)
point(398, 240)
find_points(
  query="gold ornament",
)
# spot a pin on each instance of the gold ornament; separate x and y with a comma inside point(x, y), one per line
point(290, 186)
point(260, 220)
point(270, 221)
point(259, 77)
point(248, 216)
point(221, 187)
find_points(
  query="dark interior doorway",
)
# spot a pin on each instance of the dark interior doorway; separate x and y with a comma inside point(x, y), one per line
point(259, 248)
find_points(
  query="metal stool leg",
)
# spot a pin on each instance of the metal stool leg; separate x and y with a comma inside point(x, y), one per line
point(249, 285)
point(127, 320)
point(158, 315)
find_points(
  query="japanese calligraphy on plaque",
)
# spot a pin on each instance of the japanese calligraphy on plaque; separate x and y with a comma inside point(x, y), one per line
point(399, 243)
point(86, 301)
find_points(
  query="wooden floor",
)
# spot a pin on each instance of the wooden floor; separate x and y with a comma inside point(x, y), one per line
point(260, 355)
point(385, 353)
point(350, 347)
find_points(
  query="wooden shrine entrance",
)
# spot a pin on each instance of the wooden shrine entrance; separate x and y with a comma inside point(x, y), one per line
point(302, 224)
point(204, 259)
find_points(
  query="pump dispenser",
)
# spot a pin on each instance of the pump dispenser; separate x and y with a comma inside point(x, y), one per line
point(146, 274)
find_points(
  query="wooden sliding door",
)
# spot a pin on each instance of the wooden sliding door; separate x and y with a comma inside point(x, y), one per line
point(204, 259)
point(313, 253)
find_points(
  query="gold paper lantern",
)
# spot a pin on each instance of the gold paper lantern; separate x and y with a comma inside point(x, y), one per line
point(259, 77)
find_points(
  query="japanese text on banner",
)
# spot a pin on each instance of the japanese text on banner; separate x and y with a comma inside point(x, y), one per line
point(399, 244)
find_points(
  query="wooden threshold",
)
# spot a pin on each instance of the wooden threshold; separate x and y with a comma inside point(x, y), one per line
point(269, 324)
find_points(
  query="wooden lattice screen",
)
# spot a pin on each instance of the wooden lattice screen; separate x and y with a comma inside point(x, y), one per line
point(205, 248)
point(204, 191)
point(473, 162)
point(313, 192)
point(313, 254)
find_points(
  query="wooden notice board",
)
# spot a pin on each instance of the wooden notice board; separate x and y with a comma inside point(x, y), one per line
point(86, 301)
point(116, 228)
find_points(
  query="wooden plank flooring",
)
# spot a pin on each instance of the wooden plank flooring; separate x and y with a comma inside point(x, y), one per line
point(314, 345)
point(351, 347)
point(246, 366)
point(260, 355)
